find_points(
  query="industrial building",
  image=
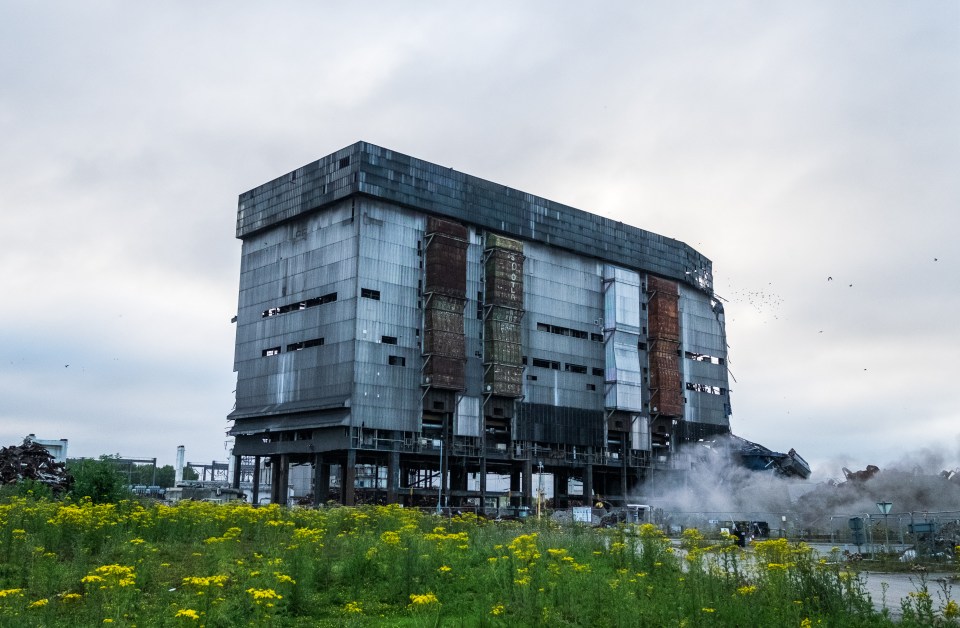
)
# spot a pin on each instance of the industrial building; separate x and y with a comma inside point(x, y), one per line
point(412, 333)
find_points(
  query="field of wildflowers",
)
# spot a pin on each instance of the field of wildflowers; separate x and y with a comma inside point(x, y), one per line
point(201, 564)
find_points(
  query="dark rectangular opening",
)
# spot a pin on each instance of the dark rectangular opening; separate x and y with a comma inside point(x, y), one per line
point(270, 351)
point(367, 293)
point(306, 344)
point(574, 368)
point(397, 360)
point(598, 372)
point(388, 340)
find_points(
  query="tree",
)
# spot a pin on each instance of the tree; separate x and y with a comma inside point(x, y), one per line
point(189, 473)
point(166, 476)
point(100, 480)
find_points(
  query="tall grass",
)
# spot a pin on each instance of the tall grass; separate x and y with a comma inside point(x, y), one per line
point(126, 564)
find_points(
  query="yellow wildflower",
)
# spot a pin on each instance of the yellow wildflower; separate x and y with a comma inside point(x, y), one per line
point(39, 603)
point(951, 609)
point(188, 613)
point(263, 596)
point(425, 599)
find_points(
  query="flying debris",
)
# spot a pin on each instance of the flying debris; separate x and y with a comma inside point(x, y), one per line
point(758, 458)
point(829, 278)
point(860, 476)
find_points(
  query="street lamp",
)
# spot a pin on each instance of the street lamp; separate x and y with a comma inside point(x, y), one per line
point(884, 508)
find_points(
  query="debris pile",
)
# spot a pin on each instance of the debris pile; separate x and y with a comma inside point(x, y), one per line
point(31, 461)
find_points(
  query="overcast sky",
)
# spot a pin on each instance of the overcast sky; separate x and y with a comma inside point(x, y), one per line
point(789, 142)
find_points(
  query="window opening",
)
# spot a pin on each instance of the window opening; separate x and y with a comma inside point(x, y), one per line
point(296, 306)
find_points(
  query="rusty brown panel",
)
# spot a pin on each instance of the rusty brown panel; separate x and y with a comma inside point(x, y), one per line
point(663, 312)
point(501, 331)
point(502, 352)
point(505, 314)
point(504, 380)
point(446, 267)
point(447, 227)
point(666, 383)
point(504, 279)
point(445, 373)
point(495, 241)
point(444, 343)
point(442, 320)
point(446, 303)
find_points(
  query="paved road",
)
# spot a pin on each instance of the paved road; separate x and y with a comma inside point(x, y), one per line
point(899, 586)
point(887, 590)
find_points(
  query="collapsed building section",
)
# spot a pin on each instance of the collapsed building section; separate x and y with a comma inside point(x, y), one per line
point(416, 335)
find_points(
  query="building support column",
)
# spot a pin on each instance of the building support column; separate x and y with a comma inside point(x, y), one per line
point(458, 481)
point(623, 478)
point(482, 479)
point(393, 477)
point(349, 479)
point(561, 481)
point(237, 463)
point(588, 485)
point(514, 486)
point(320, 488)
point(283, 482)
point(274, 479)
point(255, 496)
point(527, 483)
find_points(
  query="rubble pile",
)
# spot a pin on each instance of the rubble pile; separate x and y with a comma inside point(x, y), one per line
point(31, 461)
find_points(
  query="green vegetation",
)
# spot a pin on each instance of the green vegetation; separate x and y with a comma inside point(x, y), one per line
point(84, 563)
point(98, 480)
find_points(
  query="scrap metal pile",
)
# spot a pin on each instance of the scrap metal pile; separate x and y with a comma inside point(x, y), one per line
point(31, 461)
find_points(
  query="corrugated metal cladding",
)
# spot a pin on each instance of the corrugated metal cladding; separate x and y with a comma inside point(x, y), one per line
point(364, 168)
point(386, 374)
point(705, 357)
point(622, 339)
point(278, 358)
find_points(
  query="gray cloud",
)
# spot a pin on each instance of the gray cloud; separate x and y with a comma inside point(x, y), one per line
point(787, 142)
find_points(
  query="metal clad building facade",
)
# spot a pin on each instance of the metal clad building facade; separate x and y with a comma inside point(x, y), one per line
point(437, 328)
